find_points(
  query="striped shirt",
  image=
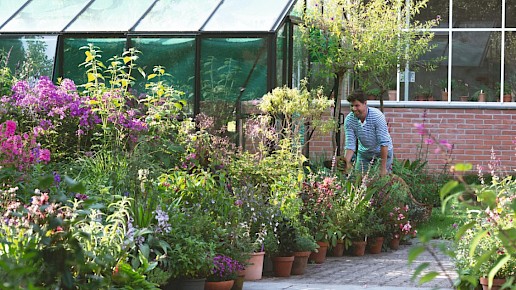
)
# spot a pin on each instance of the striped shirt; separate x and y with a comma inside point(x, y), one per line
point(371, 135)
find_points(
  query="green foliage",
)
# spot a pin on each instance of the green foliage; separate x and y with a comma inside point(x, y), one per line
point(424, 186)
point(46, 244)
point(368, 40)
point(305, 243)
point(281, 239)
point(443, 225)
point(192, 244)
point(485, 246)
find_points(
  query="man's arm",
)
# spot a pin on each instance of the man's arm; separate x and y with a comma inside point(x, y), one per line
point(384, 151)
point(347, 157)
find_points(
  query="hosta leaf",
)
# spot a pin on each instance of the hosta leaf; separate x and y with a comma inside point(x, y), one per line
point(463, 229)
point(496, 268)
point(489, 197)
point(476, 241)
point(419, 269)
point(463, 167)
point(428, 277)
point(415, 252)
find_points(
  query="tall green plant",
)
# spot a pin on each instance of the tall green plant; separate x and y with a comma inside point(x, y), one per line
point(367, 38)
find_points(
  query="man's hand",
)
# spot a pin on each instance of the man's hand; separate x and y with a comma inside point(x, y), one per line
point(383, 171)
point(349, 167)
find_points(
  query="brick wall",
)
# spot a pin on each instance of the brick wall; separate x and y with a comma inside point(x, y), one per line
point(473, 132)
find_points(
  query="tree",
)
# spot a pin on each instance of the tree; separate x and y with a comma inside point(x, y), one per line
point(366, 38)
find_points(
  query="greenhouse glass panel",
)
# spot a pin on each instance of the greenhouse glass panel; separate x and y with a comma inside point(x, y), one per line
point(281, 42)
point(299, 58)
point(177, 15)
point(74, 55)
point(8, 8)
point(233, 73)
point(110, 15)
point(29, 56)
point(253, 16)
point(45, 15)
point(176, 56)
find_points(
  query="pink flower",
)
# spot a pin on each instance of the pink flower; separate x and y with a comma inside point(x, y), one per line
point(446, 144)
point(429, 141)
point(44, 155)
point(10, 127)
point(420, 128)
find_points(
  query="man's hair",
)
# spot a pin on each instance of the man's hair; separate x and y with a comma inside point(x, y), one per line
point(357, 96)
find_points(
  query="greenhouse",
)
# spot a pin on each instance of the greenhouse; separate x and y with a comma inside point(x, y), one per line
point(219, 53)
point(211, 144)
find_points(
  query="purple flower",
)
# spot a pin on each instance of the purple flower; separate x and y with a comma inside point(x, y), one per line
point(81, 196)
point(57, 177)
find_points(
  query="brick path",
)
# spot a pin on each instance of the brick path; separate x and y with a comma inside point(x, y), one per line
point(388, 270)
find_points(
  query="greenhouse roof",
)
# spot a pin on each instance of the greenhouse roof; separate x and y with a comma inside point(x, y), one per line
point(140, 16)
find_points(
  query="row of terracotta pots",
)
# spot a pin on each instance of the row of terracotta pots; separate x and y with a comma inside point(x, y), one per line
point(296, 265)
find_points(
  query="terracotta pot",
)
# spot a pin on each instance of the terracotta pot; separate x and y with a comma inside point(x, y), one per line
point(482, 97)
point(189, 284)
point(239, 281)
point(507, 98)
point(359, 248)
point(282, 266)
point(320, 256)
point(444, 96)
point(392, 95)
point(253, 271)
point(375, 245)
point(497, 283)
point(220, 285)
point(464, 98)
point(338, 250)
point(300, 263)
point(394, 243)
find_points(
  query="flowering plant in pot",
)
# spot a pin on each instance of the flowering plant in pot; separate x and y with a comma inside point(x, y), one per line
point(318, 196)
point(224, 268)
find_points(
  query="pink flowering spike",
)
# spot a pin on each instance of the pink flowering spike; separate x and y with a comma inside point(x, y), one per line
point(429, 141)
point(420, 128)
point(446, 144)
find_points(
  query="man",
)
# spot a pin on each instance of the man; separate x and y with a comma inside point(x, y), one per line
point(368, 126)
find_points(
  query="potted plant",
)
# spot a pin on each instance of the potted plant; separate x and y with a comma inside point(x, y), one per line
point(318, 196)
point(223, 273)
point(304, 245)
point(484, 250)
point(392, 90)
point(423, 93)
point(377, 229)
point(190, 258)
point(280, 244)
point(373, 93)
point(461, 89)
point(443, 86)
